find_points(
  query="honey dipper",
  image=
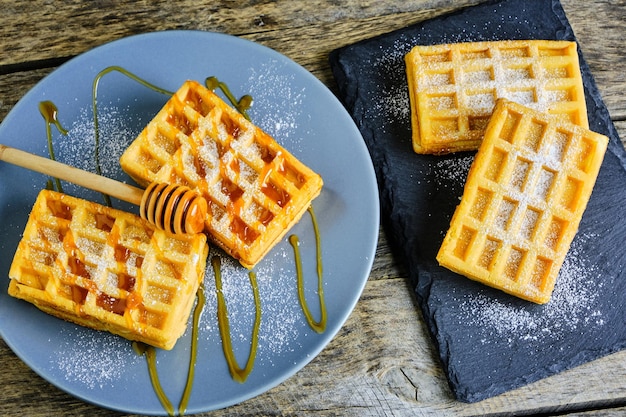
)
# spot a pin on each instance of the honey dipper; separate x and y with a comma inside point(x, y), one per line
point(173, 208)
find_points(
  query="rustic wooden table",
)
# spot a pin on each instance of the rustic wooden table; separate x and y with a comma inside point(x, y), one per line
point(382, 362)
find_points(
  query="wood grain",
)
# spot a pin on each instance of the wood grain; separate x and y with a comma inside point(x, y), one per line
point(67, 29)
point(382, 362)
point(65, 172)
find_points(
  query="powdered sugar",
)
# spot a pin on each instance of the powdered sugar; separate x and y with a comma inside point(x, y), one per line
point(573, 305)
point(274, 91)
point(118, 127)
point(281, 316)
point(452, 171)
point(95, 359)
point(392, 103)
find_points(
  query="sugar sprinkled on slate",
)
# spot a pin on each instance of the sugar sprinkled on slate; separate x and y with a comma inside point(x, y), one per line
point(452, 172)
point(479, 329)
point(571, 307)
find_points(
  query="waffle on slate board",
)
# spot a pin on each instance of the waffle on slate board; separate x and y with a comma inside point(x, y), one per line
point(107, 269)
point(524, 197)
point(453, 88)
point(256, 190)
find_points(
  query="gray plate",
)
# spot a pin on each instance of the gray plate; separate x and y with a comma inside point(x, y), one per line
point(289, 103)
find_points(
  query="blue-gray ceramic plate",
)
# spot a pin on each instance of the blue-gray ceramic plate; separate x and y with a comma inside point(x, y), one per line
point(290, 104)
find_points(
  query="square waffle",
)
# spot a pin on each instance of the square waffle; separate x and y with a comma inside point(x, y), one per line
point(454, 87)
point(255, 189)
point(524, 197)
point(107, 269)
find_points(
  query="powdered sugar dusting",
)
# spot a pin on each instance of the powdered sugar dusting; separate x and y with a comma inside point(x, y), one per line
point(573, 305)
point(452, 171)
point(392, 101)
point(275, 92)
point(395, 102)
point(281, 316)
point(118, 127)
point(95, 359)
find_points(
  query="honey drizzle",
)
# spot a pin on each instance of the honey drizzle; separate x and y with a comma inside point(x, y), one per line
point(94, 101)
point(50, 112)
point(150, 354)
point(318, 326)
point(193, 356)
point(242, 105)
point(237, 373)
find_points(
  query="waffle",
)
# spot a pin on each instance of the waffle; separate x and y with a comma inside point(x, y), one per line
point(453, 88)
point(523, 200)
point(254, 188)
point(107, 269)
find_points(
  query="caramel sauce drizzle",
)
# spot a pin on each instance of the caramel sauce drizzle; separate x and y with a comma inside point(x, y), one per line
point(49, 111)
point(150, 353)
point(193, 358)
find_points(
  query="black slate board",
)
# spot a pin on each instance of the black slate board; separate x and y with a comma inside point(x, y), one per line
point(489, 342)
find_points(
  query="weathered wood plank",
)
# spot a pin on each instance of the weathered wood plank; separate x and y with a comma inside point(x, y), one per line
point(606, 59)
point(63, 30)
point(609, 412)
point(382, 362)
point(14, 86)
point(603, 21)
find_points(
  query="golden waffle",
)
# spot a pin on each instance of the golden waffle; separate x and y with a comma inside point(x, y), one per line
point(107, 269)
point(523, 200)
point(255, 189)
point(453, 88)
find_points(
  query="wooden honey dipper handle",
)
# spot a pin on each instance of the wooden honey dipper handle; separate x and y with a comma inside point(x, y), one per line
point(74, 175)
point(183, 214)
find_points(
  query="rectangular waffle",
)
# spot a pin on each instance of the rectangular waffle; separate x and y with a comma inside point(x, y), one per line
point(523, 200)
point(107, 269)
point(256, 190)
point(453, 88)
